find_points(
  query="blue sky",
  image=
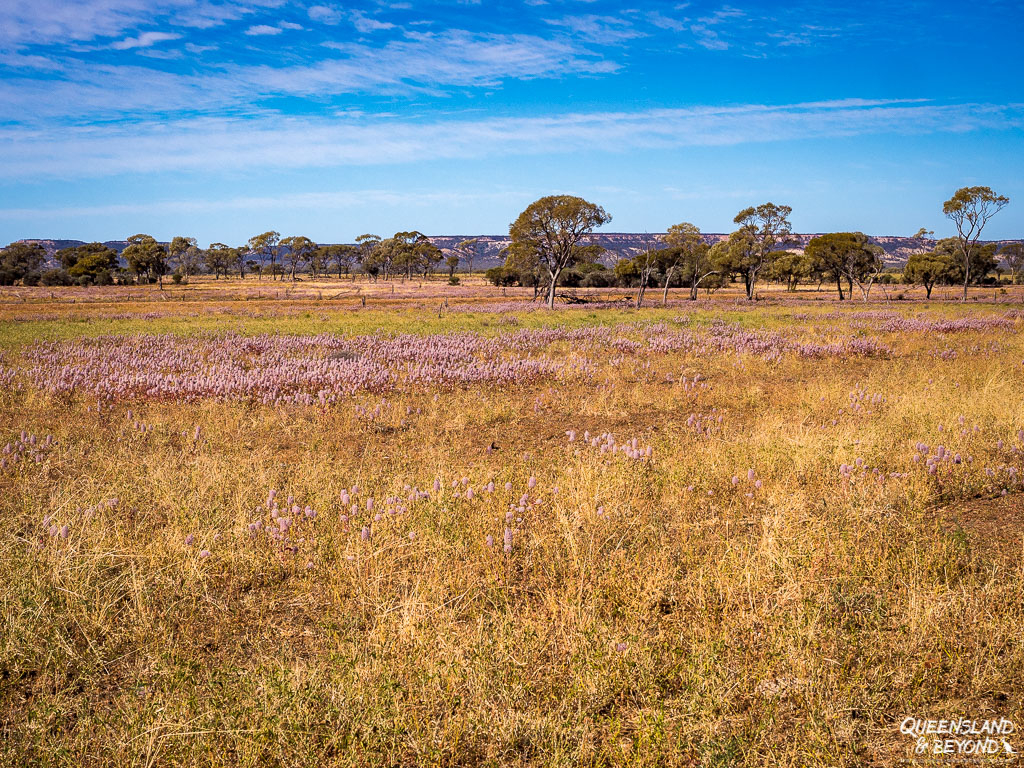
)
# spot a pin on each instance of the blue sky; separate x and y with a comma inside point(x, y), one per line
point(223, 119)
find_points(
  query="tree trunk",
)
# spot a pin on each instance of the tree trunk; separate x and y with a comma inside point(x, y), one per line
point(668, 281)
point(839, 285)
point(551, 289)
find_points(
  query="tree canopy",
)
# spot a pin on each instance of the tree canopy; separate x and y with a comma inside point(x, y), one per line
point(970, 209)
point(762, 229)
point(552, 228)
point(145, 256)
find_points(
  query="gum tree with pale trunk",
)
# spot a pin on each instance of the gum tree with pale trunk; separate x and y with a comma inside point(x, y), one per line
point(553, 228)
point(969, 209)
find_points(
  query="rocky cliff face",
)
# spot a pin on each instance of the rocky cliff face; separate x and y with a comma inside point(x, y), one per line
point(620, 245)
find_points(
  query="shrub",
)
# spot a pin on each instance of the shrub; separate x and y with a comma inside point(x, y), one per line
point(501, 276)
point(55, 277)
point(599, 279)
point(570, 278)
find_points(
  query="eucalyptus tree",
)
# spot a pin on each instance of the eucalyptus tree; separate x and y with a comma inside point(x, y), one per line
point(522, 260)
point(689, 253)
point(927, 269)
point(646, 263)
point(826, 254)
point(553, 228)
point(738, 255)
point(766, 227)
point(983, 260)
point(791, 267)
point(863, 263)
point(970, 209)
point(369, 257)
point(452, 262)
point(21, 261)
point(240, 258)
point(1013, 254)
point(344, 257)
point(467, 250)
point(319, 260)
point(218, 259)
point(94, 261)
point(299, 247)
point(265, 246)
point(145, 256)
point(846, 255)
point(178, 248)
point(427, 255)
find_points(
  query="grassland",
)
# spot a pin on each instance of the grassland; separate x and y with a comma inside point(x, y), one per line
point(472, 558)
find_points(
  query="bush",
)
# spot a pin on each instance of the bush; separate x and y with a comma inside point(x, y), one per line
point(56, 277)
point(599, 279)
point(453, 280)
point(32, 278)
point(501, 276)
point(104, 278)
point(570, 278)
point(176, 278)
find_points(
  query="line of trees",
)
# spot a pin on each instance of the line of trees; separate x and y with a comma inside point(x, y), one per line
point(405, 254)
point(551, 246)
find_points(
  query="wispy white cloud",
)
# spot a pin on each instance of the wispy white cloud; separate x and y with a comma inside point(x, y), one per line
point(324, 14)
point(263, 29)
point(603, 30)
point(144, 40)
point(426, 60)
point(210, 145)
point(417, 62)
point(58, 21)
point(367, 24)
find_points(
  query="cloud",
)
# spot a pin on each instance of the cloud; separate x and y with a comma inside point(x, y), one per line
point(193, 48)
point(365, 24)
point(324, 14)
point(427, 61)
point(421, 62)
point(662, 21)
point(603, 30)
point(28, 22)
point(23, 61)
point(263, 29)
point(219, 145)
point(144, 40)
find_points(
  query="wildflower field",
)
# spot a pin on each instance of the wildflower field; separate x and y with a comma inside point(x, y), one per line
point(257, 526)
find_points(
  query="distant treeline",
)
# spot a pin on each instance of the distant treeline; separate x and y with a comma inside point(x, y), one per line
point(552, 244)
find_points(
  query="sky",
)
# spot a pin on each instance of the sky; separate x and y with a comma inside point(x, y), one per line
point(223, 119)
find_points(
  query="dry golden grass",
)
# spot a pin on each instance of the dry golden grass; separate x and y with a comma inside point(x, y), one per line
point(648, 613)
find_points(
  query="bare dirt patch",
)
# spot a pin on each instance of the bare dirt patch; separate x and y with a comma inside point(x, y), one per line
point(994, 527)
